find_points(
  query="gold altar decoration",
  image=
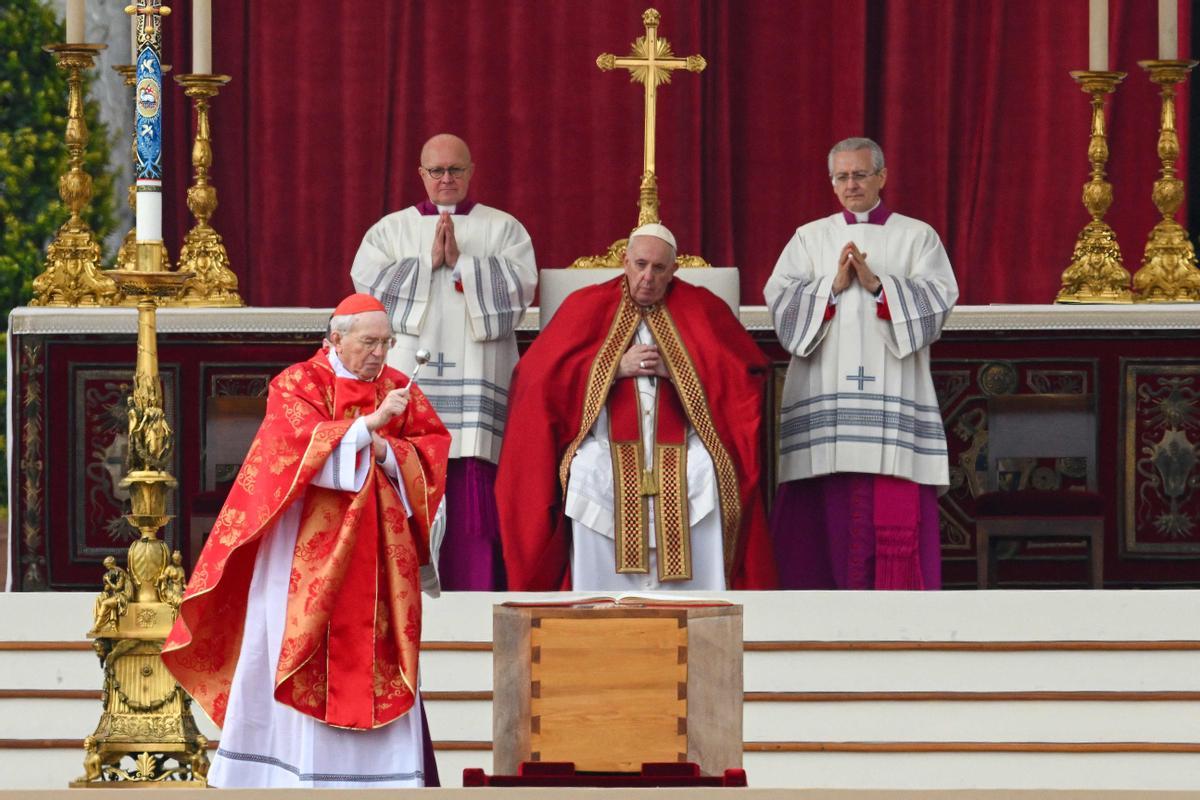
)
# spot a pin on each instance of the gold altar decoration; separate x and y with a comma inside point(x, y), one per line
point(146, 735)
point(127, 254)
point(73, 275)
point(203, 254)
point(650, 63)
point(1168, 273)
point(1096, 274)
point(146, 716)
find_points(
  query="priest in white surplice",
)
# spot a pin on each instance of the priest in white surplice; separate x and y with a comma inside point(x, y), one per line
point(456, 277)
point(857, 298)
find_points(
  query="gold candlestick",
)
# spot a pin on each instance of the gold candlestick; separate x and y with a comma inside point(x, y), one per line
point(1168, 273)
point(213, 283)
point(1096, 274)
point(72, 276)
point(147, 719)
point(127, 255)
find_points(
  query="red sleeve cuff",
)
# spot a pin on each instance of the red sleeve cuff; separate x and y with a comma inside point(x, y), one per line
point(881, 308)
point(830, 310)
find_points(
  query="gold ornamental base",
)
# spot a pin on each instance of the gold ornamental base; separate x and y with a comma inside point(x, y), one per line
point(1095, 274)
point(1168, 273)
point(146, 737)
point(213, 283)
point(73, 275)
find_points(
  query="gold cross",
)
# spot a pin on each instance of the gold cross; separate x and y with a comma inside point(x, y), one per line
point(650, 63)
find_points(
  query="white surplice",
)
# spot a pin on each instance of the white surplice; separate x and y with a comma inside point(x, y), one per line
point(266, 744)
point(469, 333)
point(590, 502)
point(859, 396)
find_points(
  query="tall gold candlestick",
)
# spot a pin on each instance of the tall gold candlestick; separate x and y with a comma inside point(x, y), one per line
point(148, 720)
point(203, 254)
point(1096, 274)
point(73, 276)
point(127, 254)
point(1168, 273)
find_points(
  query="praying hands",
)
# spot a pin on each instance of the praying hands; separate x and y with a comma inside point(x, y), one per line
point(852, 265)
point(445, 246)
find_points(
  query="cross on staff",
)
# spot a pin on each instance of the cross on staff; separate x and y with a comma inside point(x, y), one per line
point(650, 64)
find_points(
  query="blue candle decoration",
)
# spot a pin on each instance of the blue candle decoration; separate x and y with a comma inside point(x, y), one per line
point(147, 120)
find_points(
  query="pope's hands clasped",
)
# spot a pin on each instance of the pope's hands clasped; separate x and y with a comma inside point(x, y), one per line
point(642, 361)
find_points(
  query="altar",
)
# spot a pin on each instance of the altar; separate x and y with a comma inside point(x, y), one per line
point(70, 372)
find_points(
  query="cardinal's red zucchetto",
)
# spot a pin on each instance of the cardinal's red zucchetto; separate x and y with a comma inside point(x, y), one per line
point(357, 304)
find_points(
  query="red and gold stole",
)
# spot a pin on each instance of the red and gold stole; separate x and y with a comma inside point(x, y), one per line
point(351, 644)
point(665, 480)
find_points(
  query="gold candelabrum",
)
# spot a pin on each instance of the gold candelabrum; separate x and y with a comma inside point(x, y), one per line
point(127, 254)
point(203, 254)
point(146, 718)
point(73, 275)
point(1096, 274)
point(650, 63)
point(1168, 273)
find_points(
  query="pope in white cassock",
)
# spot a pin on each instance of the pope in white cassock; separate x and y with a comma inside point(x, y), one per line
point(857, 298)
point(456, 277)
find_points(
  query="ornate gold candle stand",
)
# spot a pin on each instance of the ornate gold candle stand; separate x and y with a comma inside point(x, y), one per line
point(1168, 273)
point(213, 282)
point(73, 276)
point(127, 255)
point(147, 717)
point(1096, 274)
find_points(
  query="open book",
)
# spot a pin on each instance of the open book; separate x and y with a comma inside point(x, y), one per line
point(629, 600)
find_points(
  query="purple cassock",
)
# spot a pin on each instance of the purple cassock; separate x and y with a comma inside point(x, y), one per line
point(855, 531)
point(470, 559)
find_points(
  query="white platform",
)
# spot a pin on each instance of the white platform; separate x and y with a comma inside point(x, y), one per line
point(858, 690)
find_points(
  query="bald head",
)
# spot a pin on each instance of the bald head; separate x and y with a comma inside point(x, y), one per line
point(446, 169)
point(445, 143)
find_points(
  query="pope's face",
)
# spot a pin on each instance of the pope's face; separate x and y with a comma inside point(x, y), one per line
point(447, 156)
point(364, 348)
point(855, 181)
point(649, 268)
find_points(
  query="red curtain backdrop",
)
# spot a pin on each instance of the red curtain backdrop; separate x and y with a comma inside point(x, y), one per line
point(319, 132)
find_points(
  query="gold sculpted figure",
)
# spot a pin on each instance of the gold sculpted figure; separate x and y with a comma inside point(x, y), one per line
point(199, 760)
point(149, 438)
point(172, 581)
point(113, 599)
point(91, 760)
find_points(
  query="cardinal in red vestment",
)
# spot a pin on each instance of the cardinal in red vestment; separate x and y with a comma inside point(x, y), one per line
point(632, 456)
point(303, 614)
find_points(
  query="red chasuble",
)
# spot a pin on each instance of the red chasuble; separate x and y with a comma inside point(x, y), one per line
point(353, 629)
point(564, 379)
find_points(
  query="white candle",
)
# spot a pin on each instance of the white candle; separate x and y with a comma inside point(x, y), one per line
point(133, 38)
point(1168, 30)
point(1098, 35)
point(202, 37)
point(75, 19)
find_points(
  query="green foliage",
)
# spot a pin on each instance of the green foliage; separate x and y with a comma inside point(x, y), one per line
point(33, 119)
